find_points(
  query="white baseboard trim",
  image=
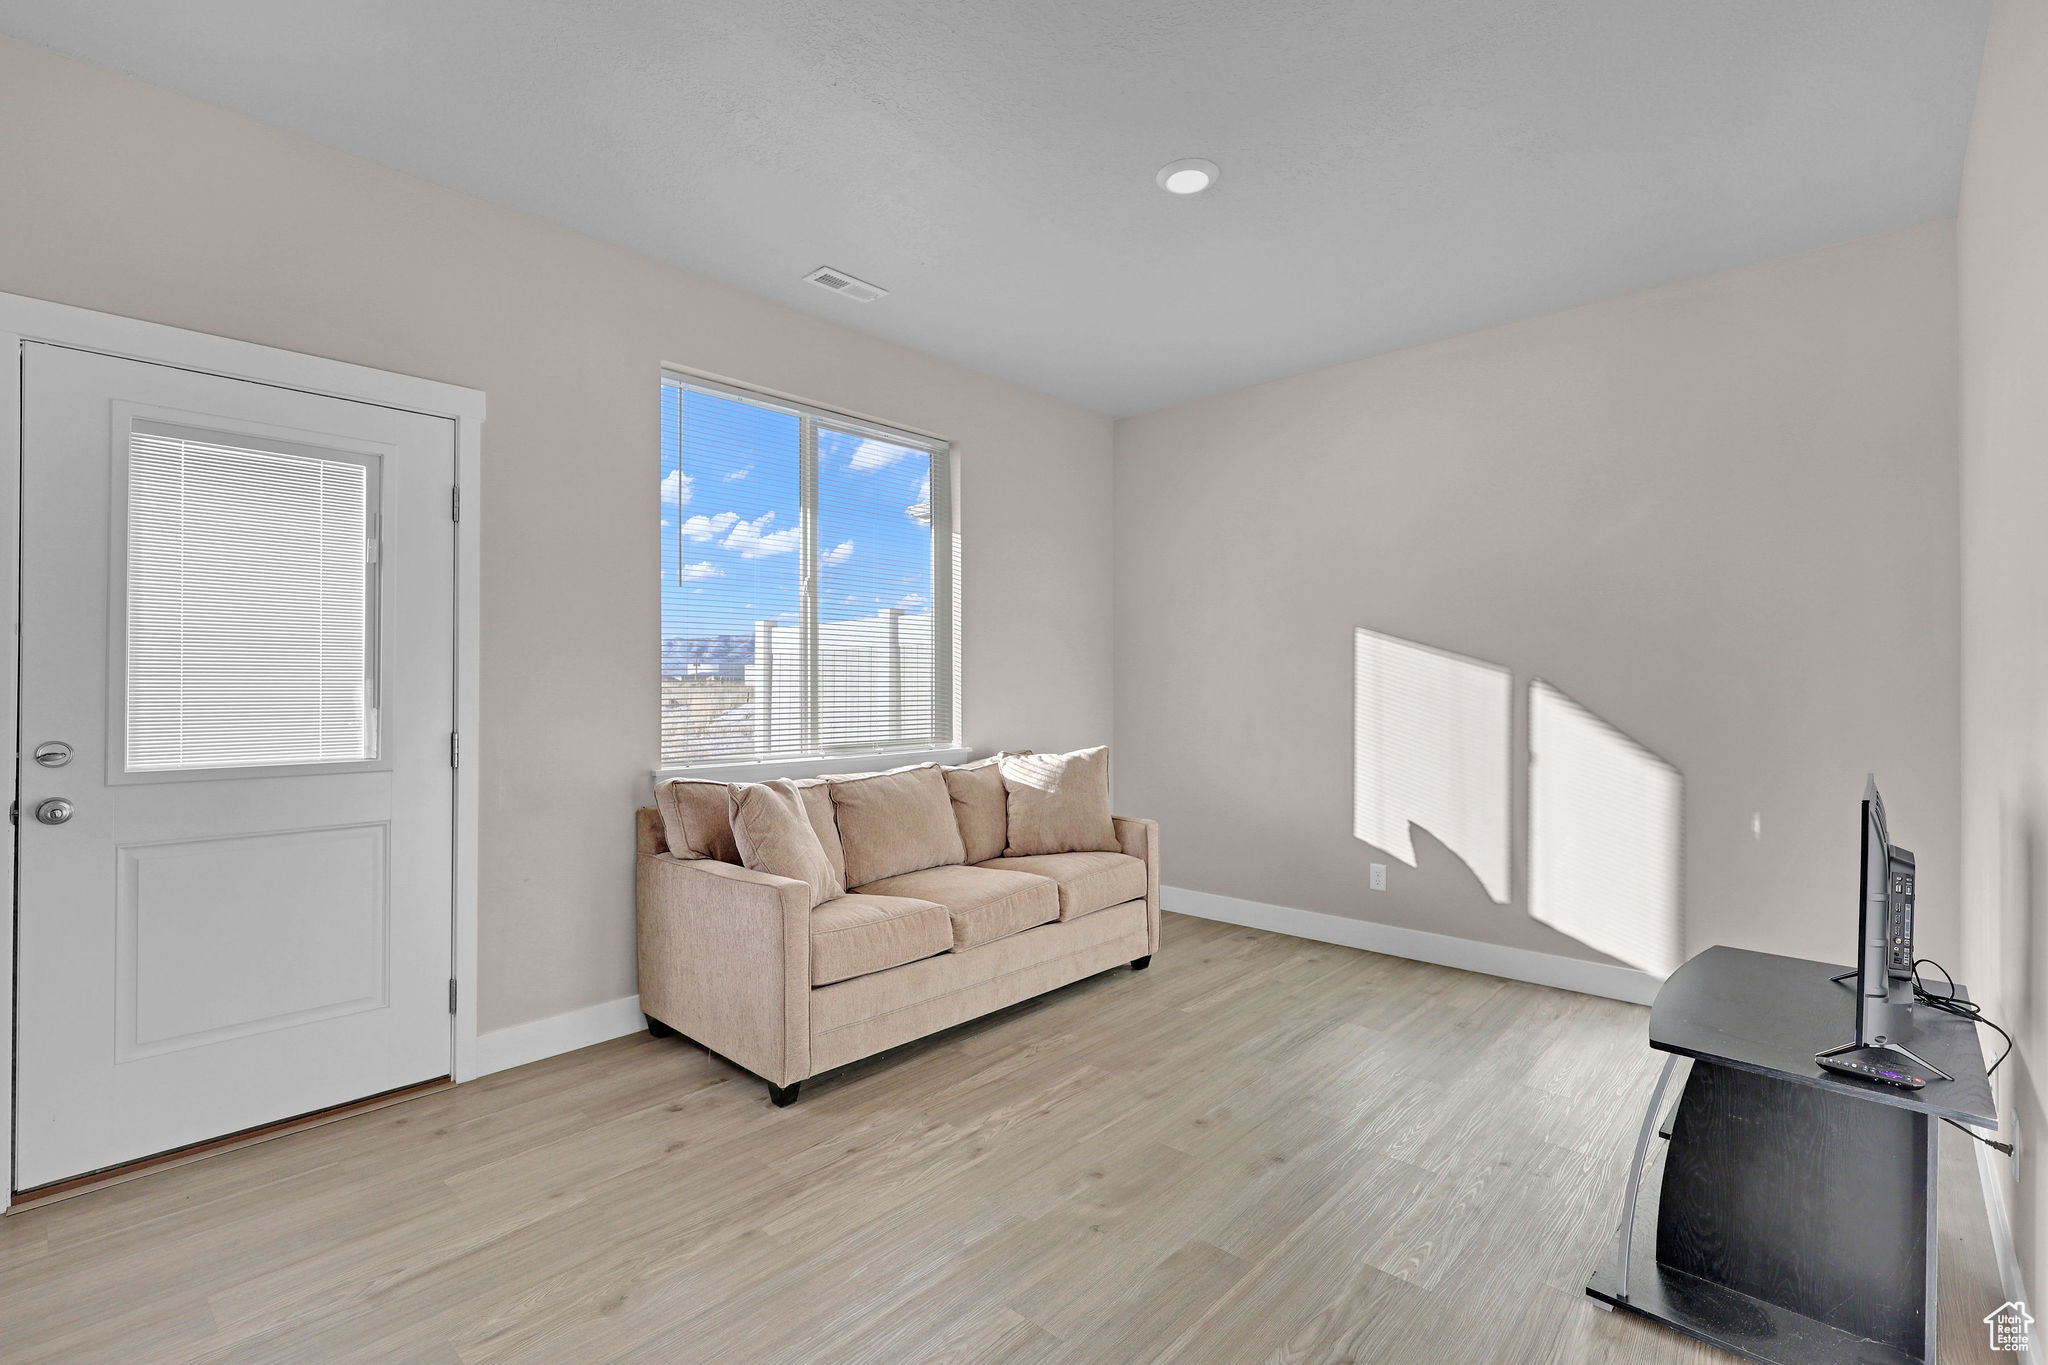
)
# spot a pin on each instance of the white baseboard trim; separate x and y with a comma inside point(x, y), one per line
point(503, 1048)
point(1516, 964)
point(2013, 1284)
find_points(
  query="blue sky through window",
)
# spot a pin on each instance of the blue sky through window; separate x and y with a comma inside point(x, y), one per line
point(730, 520)
point(731, 536)
point(874, 526)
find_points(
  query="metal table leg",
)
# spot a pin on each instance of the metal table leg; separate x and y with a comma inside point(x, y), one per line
point(1635, 1171)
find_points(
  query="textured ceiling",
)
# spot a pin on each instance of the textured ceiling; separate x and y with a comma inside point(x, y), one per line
point(1393, 171)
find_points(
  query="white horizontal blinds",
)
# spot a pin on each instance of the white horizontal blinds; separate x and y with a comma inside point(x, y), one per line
point(876, 679)
point(732, 662)
point(799, 582)
point(249, 615)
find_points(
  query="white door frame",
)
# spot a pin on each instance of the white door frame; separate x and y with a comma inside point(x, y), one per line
point(25, 319)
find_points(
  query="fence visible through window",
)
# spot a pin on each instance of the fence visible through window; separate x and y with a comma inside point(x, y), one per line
point(807, 582)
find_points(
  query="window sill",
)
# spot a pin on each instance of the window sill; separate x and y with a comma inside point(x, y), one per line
point(771, 770)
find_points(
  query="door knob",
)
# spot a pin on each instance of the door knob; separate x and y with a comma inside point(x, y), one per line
point(54, 811)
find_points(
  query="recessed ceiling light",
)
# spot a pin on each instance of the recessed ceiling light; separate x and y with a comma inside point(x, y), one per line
point(1190, 176)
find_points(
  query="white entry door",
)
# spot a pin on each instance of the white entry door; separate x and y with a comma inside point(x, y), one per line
point(237, 684)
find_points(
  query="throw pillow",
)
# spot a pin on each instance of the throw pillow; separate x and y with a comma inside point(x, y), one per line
point(1059, 803)
point(817, 794)
point(775, 835)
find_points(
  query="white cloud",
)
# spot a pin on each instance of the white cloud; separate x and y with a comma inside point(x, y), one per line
point(675, 489)
point(839, 553)
point(754, 540)
point(871, 454)
point(738, 474)
point(701, 569)
point(921, 510)
point(701, 527)
point(910, 601)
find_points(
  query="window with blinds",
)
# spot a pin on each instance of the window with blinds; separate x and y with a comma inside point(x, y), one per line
point(250, 610)
point(807, 569)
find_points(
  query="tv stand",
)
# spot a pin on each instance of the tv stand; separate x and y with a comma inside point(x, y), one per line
point(1793, 1220)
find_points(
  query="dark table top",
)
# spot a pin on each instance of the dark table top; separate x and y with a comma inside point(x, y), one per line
point(1770, 1014)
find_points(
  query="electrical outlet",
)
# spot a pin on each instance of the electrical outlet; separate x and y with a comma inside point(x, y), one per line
point(1379, 876)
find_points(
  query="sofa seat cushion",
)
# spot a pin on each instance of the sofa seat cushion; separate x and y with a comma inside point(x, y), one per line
point(1087, 881)
point(985, 903)
point(857, 934)
point(861, 1017)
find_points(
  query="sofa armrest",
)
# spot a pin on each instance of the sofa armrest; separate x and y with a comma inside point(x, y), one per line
point(1140, 839)
point(725, 959)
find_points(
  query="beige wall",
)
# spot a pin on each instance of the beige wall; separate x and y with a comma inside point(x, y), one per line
point(2002, 251)
point(1722, 515)
point(124, 198)
point(1689, 508)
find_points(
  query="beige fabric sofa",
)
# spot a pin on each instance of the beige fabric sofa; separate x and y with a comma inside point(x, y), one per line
point(738, 960)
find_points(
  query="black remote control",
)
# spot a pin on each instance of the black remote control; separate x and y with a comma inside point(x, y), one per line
point(1874, 1064)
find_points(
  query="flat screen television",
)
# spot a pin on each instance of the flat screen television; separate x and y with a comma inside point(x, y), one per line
point(1884, 956)
point(1883, 979)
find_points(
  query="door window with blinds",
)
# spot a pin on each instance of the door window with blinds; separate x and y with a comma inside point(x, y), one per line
point(807, 570)
point(249, 603)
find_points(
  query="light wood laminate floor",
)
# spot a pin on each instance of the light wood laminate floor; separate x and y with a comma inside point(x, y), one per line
point(1261, 1150)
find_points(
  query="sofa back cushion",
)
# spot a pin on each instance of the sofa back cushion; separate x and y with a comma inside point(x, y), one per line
point(1059, 803)
point(696, 819)
point(896, 822)
point(980, 808)
point(774, 834)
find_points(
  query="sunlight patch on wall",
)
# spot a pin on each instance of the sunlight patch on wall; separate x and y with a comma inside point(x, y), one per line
point(1430, 748)
point(1605, 830)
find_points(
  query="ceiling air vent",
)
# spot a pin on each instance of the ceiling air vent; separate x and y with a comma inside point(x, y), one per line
point(839, 282)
